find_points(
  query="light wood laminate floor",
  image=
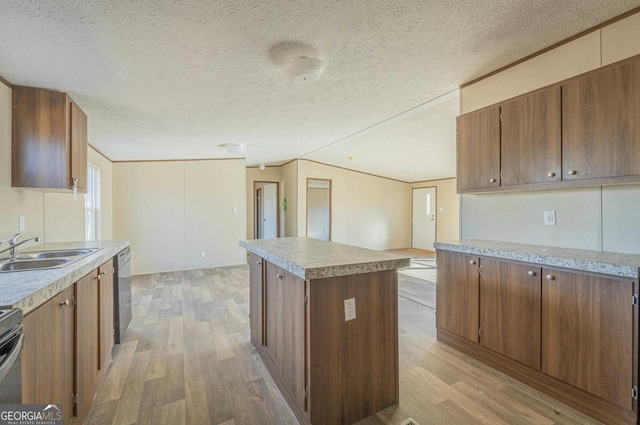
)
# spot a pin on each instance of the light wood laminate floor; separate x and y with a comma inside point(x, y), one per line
point(187, 359)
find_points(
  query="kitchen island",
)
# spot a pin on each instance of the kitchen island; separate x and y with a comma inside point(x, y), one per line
point(564, 321)
point(324, 319)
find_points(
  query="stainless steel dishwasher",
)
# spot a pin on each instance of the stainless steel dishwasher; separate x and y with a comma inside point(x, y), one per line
point(11, 338)
point(122, 294)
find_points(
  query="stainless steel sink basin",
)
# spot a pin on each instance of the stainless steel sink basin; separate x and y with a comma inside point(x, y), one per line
point(58, 253)
point(33, 264)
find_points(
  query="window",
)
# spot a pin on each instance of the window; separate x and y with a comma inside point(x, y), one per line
point(92, 204)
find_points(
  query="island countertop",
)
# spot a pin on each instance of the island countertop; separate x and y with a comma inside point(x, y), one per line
point(309, 258)
point(28, 290)
point(609, 263)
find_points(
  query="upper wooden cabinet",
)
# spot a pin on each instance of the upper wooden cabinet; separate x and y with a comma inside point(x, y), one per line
point(531, 138)
point(584, 131)
point(601, 123)
point(478, 149)
point(49, 132)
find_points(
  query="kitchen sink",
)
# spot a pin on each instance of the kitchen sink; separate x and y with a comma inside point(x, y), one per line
point(37, 260)
point(35, 264)
point(57, 253)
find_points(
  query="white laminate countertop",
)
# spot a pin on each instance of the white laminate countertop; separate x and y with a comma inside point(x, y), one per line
point(310, 258)
point(30, 289)
point(610, 263)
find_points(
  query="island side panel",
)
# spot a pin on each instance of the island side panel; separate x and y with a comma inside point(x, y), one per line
point(353, 364)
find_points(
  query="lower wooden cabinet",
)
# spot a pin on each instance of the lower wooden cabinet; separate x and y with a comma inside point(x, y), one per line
point(510, 310)
point(256, 308)
point(572, 335)
point(587, 333)
point(47, 356)
point(68, 343)
point(457, 290)
point(330, 370)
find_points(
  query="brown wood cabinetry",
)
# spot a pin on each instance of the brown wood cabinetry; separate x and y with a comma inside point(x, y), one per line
point(256, 307)
point(510, 310)
point(588, 333)
point(530, 145)
point(478, 149)
point(601, 123)
point(570, 334)
point(105, 305)
point(458, 292)
point(583, 131)
point(68, 343)
point(87, 343)
point(47, 357)
point(285, 340)
point(49, 140)
point(330, 370)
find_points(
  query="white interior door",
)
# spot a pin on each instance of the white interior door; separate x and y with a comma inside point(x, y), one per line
point(270, 211)
point(424, 218)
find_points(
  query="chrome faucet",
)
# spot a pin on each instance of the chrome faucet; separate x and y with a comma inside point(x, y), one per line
point(14, 244)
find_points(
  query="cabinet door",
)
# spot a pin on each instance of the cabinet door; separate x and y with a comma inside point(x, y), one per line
point(601, 123)
point(285, 340)
point(47, 356)
point(587, 333)
point(530, 143)
point(105, 292)
point(478, 149)
point(40, 150)
point(510, 310)
point(457, 294)
point(87, 342)
point(256, 278)
point(78, 147)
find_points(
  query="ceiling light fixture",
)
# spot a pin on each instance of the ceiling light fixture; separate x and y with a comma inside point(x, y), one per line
point(234, 148)
point(304, 70)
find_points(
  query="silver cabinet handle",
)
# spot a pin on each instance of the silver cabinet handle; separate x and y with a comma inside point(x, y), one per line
point(551, 174)
point(472, 262)
point(279, 276)
point(65, 303)
point(492, 180)
point(572, 172)
point(531, 273)
point(258, 263)
point(551, 277)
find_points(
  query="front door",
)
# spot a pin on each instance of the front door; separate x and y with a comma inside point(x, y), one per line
point(424, 218)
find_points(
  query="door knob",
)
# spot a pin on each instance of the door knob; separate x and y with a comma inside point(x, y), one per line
point(472, 262)
point(572, 172)
point(492, 180)
point(551, 277)
point(531, 273)
point(552, 174)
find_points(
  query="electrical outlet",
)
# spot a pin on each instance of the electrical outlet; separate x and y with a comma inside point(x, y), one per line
point(349, 309)
point(549, 218)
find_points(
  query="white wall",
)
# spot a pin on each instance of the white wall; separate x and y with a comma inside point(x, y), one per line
point(600, 218)
point(367, 211)
point(54, 217)
point(289, 189)
point(173, 210)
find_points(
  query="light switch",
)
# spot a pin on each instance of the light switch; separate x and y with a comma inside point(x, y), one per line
point(349, 309)
point(203, 254)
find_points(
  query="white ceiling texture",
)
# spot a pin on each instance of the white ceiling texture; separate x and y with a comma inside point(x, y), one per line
point(174, 79)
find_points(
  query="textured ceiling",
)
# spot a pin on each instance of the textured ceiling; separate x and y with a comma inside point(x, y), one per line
point(173, 79)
